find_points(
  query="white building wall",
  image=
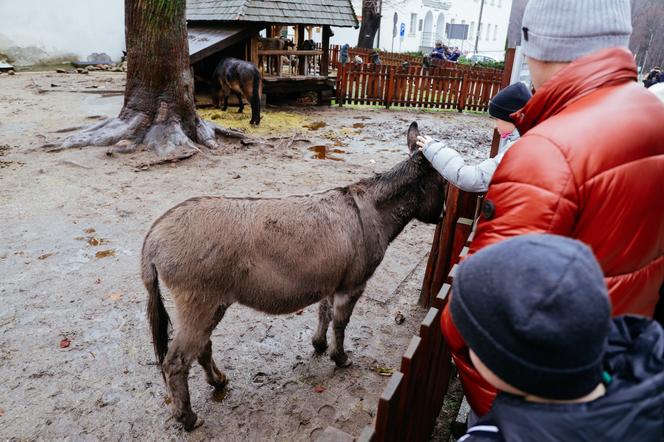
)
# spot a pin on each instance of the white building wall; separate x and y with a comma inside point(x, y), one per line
point(74, 26)
point(429, 18)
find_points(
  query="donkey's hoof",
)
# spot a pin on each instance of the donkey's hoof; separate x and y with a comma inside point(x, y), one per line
point(240, 110)
point(219, 381)
point(190, 421)
point(225, 108)
point(319, 346)
point(341, 359)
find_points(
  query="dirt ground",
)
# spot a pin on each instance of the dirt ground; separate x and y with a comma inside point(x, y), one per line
point(76, 359)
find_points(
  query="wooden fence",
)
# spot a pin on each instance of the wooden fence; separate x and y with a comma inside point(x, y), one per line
point(416, 86)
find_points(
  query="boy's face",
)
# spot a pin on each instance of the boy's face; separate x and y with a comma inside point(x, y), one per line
point(491, 378)
point(503, 127)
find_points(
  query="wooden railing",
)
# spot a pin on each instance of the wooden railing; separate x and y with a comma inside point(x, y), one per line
point(415, 86)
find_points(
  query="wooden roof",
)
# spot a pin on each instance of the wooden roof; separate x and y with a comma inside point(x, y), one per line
point(288, 12)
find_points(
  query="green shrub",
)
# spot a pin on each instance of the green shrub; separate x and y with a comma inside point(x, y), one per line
point(486, 64)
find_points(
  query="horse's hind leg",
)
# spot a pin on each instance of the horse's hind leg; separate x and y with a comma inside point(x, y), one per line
point(319, 340)
point(241, 103)
point(213, 375)
point(341, 312)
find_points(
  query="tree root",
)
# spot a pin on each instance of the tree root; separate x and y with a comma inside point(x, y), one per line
point(127, 135)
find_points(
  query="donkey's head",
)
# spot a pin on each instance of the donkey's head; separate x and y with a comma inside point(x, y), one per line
point(431, 185)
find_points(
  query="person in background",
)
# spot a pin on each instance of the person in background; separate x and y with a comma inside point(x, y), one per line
point(439, 52)
point(375, 58)
point(588, 165)
point(652, 78)
point(357, 60)
point(451, 165)
point(343, 54)
point(536, 315)
point(454, 55)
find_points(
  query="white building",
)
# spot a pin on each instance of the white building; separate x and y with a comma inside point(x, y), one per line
point(425, 21)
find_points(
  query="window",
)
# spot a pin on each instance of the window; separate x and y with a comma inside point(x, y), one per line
point(413, 23)
point(419, 28)
point(479, 31)
point(471, 31)
point(495, 32)
point(488, 30)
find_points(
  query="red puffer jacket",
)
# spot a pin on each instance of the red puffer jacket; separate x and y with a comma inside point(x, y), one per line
point(590, 166)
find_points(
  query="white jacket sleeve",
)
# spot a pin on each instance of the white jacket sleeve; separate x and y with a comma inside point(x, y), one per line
point(451, 165)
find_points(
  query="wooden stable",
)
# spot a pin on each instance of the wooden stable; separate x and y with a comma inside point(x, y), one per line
point(232, 28)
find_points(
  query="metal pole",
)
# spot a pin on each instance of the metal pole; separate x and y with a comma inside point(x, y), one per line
point(479, 24)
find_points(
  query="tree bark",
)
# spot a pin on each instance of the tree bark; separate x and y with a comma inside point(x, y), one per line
point(370, 24)
point(159, 110)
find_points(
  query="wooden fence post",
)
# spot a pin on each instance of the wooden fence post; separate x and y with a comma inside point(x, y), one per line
point(389, 90)
point(465, 85)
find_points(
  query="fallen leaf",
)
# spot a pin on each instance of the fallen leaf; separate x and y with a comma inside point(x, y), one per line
point(358, 125)
point(115, 296)
point(98, 281)
point(2, 412)
point(167, 400)
point(383, 371)
point(45, 255)
point(319, 389)
point(105, 253)
point(94, 241)
point(89, 230)
point(64, 343)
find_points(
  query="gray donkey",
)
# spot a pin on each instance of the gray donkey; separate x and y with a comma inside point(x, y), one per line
point(276, 255)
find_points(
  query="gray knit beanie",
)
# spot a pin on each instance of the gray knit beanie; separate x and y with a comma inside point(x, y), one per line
point(564, 30)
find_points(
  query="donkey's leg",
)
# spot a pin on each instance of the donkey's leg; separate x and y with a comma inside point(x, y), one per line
point(239, 99)
point(213, 375)
point(190, 342)
point(342, 309)
point(225, 102)
point(324, 317)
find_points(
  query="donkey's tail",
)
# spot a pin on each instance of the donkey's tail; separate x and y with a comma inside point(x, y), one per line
point(157, 314)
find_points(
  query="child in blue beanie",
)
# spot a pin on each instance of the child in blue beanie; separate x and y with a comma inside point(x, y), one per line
point(535, 313)
point(451, 165)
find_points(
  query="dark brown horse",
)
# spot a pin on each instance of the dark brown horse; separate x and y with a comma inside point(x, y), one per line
point(276, 255)
point(242, 78)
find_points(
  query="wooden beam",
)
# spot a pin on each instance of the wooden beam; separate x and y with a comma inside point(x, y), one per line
point(504, 82)
point(325, 58)
point(299, 38)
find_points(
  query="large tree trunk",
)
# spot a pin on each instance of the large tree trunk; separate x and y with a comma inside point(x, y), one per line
point(159, 110)
point(370, 24)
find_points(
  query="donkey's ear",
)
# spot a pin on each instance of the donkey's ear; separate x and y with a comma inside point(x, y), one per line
point(413, 133)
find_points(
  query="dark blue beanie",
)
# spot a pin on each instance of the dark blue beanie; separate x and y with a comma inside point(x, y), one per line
point(535, 310)
point(508, 101)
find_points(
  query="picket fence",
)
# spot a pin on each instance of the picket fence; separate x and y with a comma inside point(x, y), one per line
point(416, 86)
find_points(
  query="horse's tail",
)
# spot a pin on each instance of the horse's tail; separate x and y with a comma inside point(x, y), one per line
point(157, 314)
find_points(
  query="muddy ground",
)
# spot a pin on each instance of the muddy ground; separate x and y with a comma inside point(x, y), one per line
point(75, 356)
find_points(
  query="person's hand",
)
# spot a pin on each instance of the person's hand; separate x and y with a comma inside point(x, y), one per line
point(422, 140)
